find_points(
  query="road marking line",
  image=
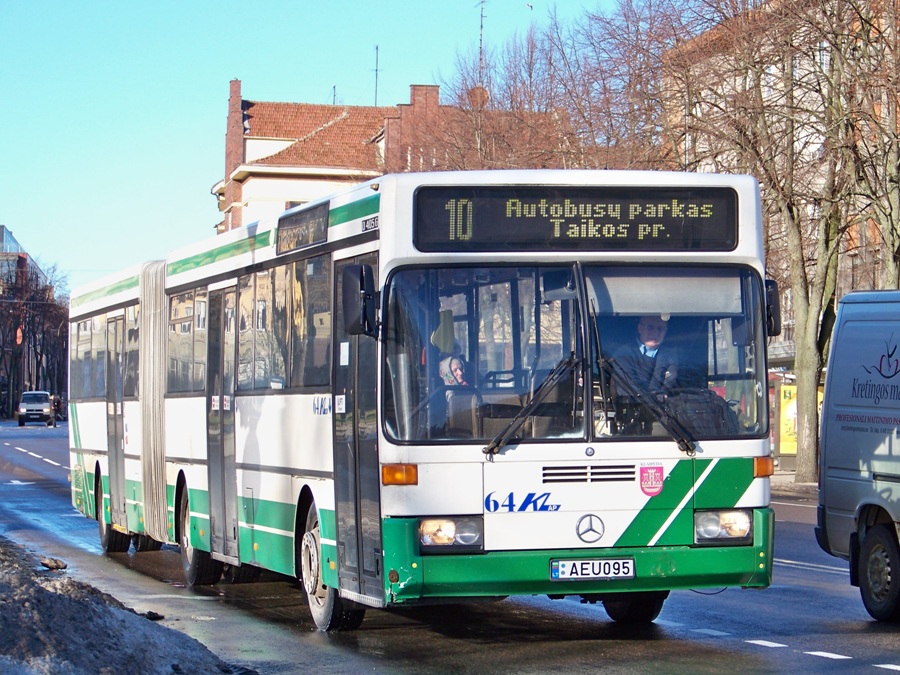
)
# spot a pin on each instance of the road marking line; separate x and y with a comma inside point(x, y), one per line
point(829, 655)
point(802, 506)
point(765, 643)
point(670, 624)
point(710, 631)
point(50, 461)
point(887, 666)
point(21, 449)
point(811, 566)
point(34, 455)
point(172, 596)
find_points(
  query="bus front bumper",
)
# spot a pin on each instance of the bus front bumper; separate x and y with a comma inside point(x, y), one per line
point(413, 578)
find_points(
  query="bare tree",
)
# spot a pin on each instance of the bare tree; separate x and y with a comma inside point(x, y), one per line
point(874, 119)
point(802, 94)
point(33, 331)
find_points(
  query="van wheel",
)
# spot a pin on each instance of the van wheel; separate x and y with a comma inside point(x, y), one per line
point(329, 611)
point(199, 567)
point(111, 541)
point(635, 608)
point(879, 574)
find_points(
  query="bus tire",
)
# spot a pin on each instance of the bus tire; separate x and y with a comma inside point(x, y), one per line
point(879, 574)
point(635, 608)
point(199, 567)
point(144, 542)
point(329, 611)
point(111, 541)
point(241, 574)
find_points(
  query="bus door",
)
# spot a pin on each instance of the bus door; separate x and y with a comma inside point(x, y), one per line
point(223, 517)
point(115, 426)
point(356, 472)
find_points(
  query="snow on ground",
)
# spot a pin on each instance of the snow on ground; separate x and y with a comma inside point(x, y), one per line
point(50, 623)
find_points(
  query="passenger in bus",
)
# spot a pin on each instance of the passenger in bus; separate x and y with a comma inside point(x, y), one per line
point(453, 372)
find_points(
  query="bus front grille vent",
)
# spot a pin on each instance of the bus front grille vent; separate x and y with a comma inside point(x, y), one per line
point(618, 473)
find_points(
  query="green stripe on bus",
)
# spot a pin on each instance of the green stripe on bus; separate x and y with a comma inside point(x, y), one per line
point(266, 513)
point(73, 425)
point(112, 289)
point(659, 509)
point(221, 253)
point(354, 210)
point(726, 484)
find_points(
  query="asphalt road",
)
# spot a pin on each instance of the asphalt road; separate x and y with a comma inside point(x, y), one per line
point(810, 620)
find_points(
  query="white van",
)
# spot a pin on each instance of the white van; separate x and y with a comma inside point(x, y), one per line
point(859, 460)
point(35, 406)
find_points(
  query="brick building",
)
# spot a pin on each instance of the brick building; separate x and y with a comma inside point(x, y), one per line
point(281, 154)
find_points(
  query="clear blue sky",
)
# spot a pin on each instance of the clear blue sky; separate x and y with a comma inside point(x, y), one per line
point(112, 124)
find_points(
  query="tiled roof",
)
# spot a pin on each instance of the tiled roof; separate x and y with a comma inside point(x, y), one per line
point(325, 135)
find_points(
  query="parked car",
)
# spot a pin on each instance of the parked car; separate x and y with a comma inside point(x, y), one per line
point(35, 406)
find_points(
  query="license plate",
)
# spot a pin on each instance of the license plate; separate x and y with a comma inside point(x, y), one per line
point(607, 568)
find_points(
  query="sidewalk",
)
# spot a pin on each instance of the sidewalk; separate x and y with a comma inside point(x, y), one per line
point(783, 483)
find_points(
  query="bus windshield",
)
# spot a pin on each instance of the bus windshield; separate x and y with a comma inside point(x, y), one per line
point(555, 353)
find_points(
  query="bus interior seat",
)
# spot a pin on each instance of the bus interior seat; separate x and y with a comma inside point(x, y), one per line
point(463, 412)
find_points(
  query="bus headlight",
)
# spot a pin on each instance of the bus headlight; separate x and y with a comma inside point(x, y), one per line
point(451, 534)
point(733, 526)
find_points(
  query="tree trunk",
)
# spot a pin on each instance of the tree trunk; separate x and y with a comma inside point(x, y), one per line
point(808, 369)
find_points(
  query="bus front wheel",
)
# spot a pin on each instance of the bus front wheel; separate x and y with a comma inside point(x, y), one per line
point(199, 567)
point(635, 608)
point(879, 574)
point(329, 611)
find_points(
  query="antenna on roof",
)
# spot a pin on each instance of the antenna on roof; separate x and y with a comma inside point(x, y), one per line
point(376, 76)
point(334, 94)
point(481, 48)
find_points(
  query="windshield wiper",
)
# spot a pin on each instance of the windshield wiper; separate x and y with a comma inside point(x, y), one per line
point(673, 426)
point(552, 379)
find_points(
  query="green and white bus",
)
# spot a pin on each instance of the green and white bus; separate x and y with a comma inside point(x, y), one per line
point(279, 397)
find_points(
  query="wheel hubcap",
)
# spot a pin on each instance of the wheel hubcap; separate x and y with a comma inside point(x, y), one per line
point(879, 573)
point(309, 554)
point(186, 548)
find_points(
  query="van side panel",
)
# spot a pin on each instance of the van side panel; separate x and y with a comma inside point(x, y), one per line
point(860, 453)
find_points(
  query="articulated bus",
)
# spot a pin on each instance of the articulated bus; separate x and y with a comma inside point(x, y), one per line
point(280, 397)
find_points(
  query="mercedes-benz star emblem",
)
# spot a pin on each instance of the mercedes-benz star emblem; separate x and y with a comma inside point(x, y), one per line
point(589, 528)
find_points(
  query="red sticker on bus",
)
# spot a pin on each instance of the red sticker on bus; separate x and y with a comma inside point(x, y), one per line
point(651, 480)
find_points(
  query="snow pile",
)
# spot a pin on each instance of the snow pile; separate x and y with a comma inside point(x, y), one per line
point(50, 623)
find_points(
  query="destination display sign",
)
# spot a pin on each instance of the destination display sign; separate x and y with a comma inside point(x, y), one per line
point(535, 218)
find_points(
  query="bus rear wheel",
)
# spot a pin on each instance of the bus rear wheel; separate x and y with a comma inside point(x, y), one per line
point(879, 574)
point(635, 608)
point(329, 611)
point(241, 574)
point(199, 567)
point(144, 542)
point(111, 541)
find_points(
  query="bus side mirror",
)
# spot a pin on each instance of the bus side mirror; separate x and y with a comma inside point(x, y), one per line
point(358, 297)
point(557, 285)
point(773, 308)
